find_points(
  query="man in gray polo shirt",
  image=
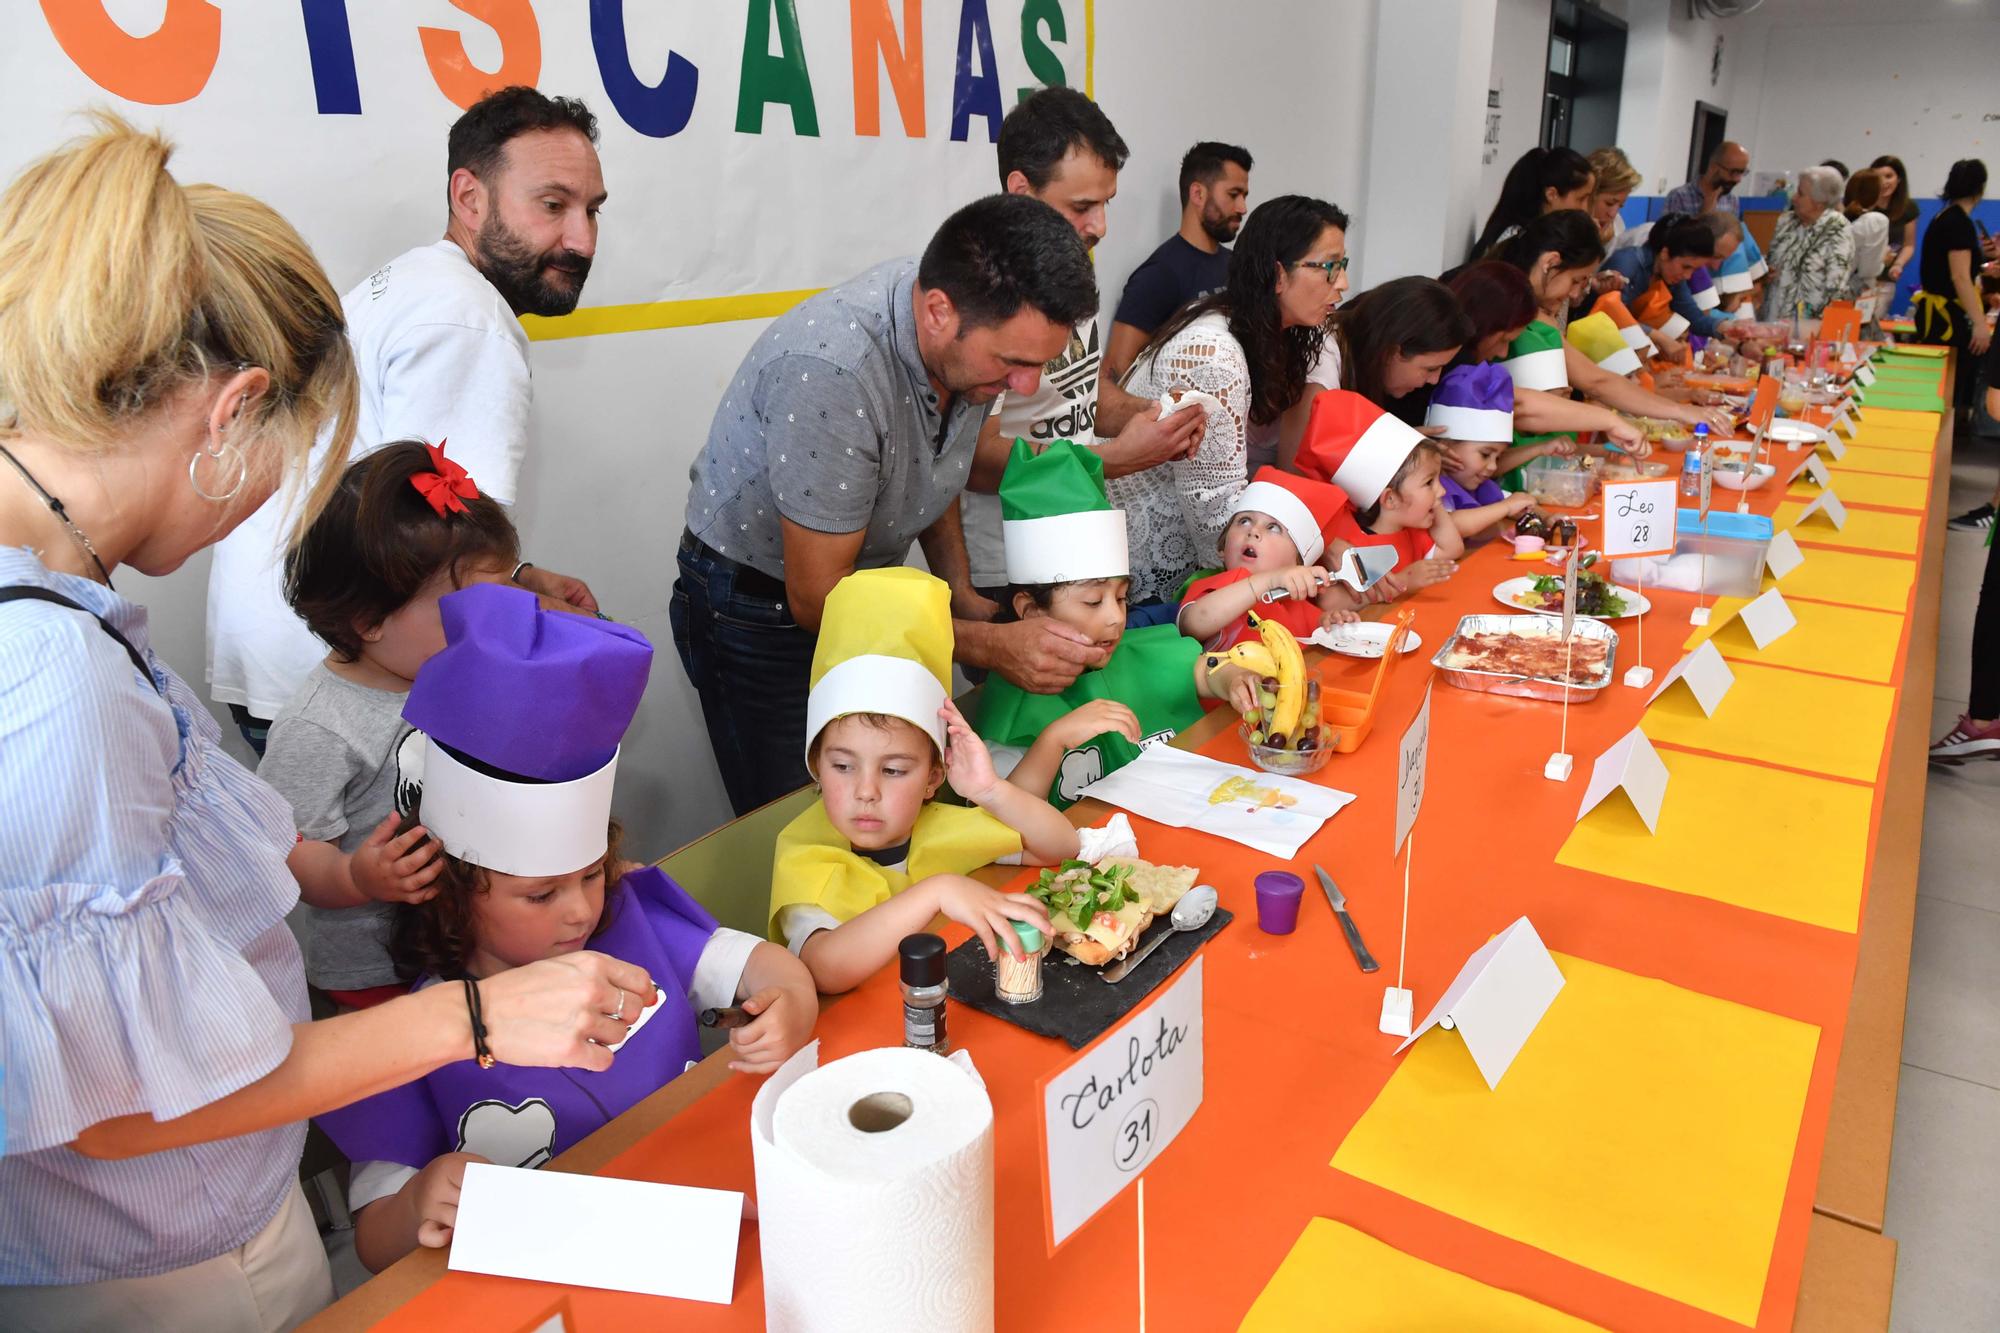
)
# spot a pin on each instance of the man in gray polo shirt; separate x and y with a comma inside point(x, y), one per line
point(846, 435)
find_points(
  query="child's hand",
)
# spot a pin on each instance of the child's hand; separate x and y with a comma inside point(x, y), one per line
point(1300, 581)
point(396, 869)
point(1338, 615)
point(1094, 719)
point(1389, 587)
point(784, 1023)
point(1517, 504)
point(989, 912)
point(1562, 446)
point(434, 1197)
point(1425, 573)
point(967, 763)
point(1235, 685)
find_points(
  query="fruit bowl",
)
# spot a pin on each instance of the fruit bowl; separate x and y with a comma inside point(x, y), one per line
point(1291, 763)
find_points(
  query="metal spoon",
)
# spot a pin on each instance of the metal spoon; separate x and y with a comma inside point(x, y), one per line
point(1192, 912)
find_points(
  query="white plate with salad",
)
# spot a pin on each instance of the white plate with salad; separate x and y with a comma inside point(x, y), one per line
point(1596, 598)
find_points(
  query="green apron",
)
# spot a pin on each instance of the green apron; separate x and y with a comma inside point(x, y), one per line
point(1151, 672)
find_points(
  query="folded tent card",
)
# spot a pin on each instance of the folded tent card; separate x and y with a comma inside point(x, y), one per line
point(1497, 998)
point(1263, 811)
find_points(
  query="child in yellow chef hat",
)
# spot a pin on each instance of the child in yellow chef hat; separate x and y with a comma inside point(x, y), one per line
point(875, 858)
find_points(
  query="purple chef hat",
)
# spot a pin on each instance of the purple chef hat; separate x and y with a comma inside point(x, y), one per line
point(542, 694)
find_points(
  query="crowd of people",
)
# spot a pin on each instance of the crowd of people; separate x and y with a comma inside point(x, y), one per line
point(426, 848)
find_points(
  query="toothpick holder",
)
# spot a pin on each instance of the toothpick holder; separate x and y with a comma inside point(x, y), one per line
point(1399, 1010)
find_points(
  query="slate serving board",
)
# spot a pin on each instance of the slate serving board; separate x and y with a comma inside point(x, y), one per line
point(1077, 1003)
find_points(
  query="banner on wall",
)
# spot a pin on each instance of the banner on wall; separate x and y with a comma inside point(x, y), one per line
point(753, 150)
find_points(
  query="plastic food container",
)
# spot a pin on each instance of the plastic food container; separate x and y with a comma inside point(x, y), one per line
point(1724, 558)
point(1561, 482)
point(1528, 687)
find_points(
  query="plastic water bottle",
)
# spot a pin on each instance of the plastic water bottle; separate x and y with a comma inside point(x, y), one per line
point(1694, 461)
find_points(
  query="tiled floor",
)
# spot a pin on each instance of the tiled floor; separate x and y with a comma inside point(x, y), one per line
point(1944, 1177)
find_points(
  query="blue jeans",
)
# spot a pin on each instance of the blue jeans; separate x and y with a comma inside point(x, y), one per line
point(751, 663)
point(1151, 613)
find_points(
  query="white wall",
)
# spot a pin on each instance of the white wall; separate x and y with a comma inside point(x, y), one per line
point(1520, 69)
point(1847, 80)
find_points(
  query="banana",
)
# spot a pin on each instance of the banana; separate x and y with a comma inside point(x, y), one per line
point(1249, 654)
point(1291, 676)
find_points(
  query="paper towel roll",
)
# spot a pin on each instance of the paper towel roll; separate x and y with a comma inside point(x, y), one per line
point(875, 1194)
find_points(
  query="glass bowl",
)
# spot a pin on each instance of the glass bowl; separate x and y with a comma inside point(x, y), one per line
point(1290, 763)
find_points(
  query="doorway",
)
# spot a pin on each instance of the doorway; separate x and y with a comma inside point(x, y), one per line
point(1586, 73)
point(1710, 122)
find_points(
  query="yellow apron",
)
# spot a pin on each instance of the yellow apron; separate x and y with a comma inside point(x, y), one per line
point(815, 866)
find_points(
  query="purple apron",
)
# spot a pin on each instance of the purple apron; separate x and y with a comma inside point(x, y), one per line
point(516, 1116)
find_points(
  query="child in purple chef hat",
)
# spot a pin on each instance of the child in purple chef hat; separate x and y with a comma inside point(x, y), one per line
point(518, 728)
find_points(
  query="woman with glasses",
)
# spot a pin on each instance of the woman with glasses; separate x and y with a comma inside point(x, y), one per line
point(1250, 347)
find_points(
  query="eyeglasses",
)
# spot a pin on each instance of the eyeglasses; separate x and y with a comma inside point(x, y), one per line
point(1333, 268)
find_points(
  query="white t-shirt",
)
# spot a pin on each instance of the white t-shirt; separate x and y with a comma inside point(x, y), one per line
point(1062, 407)
point(441, 357)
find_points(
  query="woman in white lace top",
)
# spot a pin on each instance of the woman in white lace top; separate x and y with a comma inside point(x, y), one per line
point(1248, 346)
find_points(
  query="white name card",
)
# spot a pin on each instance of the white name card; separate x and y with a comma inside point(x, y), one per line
point(1705, 674)
point(1634, 767)
point(1784, 555)
point(598, 1231)
point(1107, 1116)
point(1835, 445)
point(1497, 998)
point(1412, 757)
point(1639, 518)
point(1864, 374)
point(1768, 617)
point(1827, 508)
point(1816, 470)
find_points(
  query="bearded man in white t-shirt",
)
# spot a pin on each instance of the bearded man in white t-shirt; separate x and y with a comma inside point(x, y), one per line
point(442, 358)
point(1058, 147)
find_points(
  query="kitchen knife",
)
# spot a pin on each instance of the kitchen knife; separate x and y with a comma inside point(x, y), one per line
point(1338, 901)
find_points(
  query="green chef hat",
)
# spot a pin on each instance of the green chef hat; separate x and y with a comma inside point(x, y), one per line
point(1055, 519)
point(1535, 359)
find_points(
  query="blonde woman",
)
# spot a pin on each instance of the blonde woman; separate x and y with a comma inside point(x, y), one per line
point(1614, 179)
point(167, 355)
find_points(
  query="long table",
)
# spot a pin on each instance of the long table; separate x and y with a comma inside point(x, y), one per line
point(1293, 1056)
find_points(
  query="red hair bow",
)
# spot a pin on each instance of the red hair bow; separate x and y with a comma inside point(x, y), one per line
point(449, 487)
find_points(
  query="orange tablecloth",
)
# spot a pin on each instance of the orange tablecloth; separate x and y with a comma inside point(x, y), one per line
point(1294, 1058)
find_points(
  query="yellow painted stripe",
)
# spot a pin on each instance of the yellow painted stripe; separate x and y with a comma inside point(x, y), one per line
point(1090, 49)
point(594, 320)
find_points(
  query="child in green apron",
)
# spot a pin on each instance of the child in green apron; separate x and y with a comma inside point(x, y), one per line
point(1067, 558)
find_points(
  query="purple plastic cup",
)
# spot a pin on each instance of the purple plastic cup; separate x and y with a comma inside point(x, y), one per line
point(1278, 895)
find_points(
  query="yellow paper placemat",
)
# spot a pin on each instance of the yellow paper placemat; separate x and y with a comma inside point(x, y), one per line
point(1816, 723)
point(1902, 417)
point(1337, 1278)
point(1830, 640)
point(1895, 462)
point(1870, 488)
point(1865, 529)
point(1894, 437)
point(1807, 860)
point(1879, 581)
point(1645, 1132)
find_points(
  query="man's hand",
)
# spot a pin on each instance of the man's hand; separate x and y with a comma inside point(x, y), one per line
point(1043, 655)
point(563, 588)
point(1150, 439)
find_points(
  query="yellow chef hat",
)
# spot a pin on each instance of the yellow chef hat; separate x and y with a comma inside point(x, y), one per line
point(1597, 337)
point(884, 647)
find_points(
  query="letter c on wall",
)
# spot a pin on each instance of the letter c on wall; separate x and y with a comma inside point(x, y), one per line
point(169, 65)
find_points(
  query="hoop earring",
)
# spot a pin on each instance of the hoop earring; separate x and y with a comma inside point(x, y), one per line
point(221, 451)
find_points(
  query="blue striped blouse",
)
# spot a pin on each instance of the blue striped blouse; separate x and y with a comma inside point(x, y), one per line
point(145, 965)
